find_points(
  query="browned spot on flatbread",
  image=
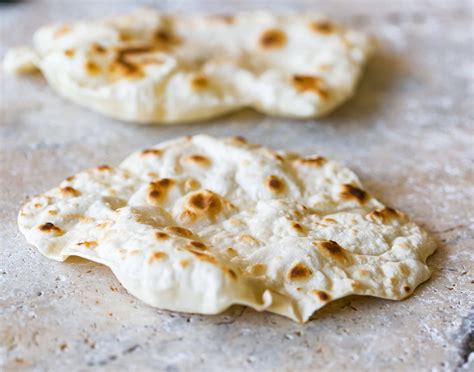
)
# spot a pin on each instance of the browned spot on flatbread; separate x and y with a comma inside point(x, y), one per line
point(236, 222)
point(20, 361)
point(231, 273)
point(165, 182)
point(124, 36)
point(180, 231)
point(151, 152)
point(92, 68)
point(158, 191)
point(350, 192)
point(184, 263)
point(363, 272)
point(138, 56)
point(206, 258)
point(199, 160)
point(321, 295)
point(199, 82)
point(224, 18)
point(151, 61)
point(323, 27)
point(88, 244)
point(407, 289)
point(296, 226)
point(197, 245)
point(404, 270)
point(257, 269)
point(163, 36)
point(123, 52)
point(278, 157)
point(231, 252)
point(104, 168)
point(201, 255)
point(299, 272)
point(330, 249)
point(355, 285)
point(384, 215)
point(272, 39)
point(166, 38)
point(96, 48)
point(102, 225)
point(275, 184)
point(312, 161)
point(155, 256)
point(237, 140)
point(203, 204)
point(248, 239)
point(50, 227)
point(69, 52)
point(69, 191)
point(191, 184)
point(61, 31)
point(296, 214)
point(120, 69)
point(187, 216)
point(161, 236)
point(307, 83)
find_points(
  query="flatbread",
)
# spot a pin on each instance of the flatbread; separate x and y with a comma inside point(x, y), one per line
point(198, 224)
point(149, 67)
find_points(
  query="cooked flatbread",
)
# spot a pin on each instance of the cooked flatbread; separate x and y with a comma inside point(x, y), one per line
point(153, 68)
point(198, 224)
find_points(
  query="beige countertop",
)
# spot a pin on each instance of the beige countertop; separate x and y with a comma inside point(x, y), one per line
point(408, 133)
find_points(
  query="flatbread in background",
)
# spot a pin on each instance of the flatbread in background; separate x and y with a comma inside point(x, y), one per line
point(149, 67)
point(198, 224)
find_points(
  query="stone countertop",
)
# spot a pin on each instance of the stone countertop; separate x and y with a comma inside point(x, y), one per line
point(408, 133)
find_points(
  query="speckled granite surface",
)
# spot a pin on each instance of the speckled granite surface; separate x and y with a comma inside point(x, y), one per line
point(408, 133)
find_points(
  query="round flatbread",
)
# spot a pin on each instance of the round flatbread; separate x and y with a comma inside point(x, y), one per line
point(148, 67)
point(198, 224)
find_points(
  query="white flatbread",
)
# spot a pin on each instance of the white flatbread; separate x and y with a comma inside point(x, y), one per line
point(197, 224)
point(153, 68)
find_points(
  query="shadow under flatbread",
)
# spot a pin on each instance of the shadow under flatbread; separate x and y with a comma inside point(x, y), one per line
point(369, 97)
point(79, 260)
point(380, 75)
point(438, 261)
point(239, 116)
point(382, 71)
point(371, 94)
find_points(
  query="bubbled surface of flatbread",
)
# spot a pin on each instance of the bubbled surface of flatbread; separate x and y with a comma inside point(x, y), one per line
point(148, 67)
point(198, 224)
